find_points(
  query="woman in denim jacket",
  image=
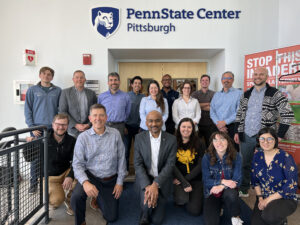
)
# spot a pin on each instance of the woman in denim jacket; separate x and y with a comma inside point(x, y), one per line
point(221, 174)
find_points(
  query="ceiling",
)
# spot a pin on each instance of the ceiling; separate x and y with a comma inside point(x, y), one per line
point(158, 54)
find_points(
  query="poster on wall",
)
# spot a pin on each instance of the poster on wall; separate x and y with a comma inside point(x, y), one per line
point(283, 65)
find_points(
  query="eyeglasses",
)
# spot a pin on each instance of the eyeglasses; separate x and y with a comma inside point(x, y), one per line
point(188, 88)
point(226, 78)
point(61, 125)
point(269, 139)
point(217, 140)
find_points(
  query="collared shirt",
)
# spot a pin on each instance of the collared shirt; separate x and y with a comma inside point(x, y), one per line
point(182, 109)
point(82, 99)
point(155, 146)
point(147, 105)
point(224, 105)
point(171, 96)
point(117, 105)
point(253, 114)
point(134, 119)
point(280, 176)
point(202, 97)
point(102, 155)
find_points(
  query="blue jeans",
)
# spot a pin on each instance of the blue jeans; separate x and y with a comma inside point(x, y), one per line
point(247, 148)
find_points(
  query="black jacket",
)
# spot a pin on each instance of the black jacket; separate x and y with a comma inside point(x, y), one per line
point(60, 155)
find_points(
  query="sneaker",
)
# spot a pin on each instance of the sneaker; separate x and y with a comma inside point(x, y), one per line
point(243, 194)
point(236, 221)
point(32, 189)
point(93, 204)
point(69, 210)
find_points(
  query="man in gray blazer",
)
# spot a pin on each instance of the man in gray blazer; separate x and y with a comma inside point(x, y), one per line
point(76, 101)
point(154, 160)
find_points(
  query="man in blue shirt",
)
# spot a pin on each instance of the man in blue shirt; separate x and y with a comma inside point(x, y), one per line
point(133, 121)
point(99, 166)
point(224, 105)
point(171, 95)
point(117, 104)
point(41, 105)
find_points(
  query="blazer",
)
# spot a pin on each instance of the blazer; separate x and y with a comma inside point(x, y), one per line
point(166, 161)
point(69, 104)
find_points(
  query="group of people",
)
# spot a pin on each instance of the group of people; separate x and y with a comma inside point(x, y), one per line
point(90, 140)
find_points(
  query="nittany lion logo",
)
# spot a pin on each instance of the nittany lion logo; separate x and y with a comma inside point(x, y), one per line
point(105, 20)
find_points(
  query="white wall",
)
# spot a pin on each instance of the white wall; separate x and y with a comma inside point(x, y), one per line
point(61, 31)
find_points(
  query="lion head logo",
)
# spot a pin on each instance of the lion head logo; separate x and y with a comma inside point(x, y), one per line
point(105, 20)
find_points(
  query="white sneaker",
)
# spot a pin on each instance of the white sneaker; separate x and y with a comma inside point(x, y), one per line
point(236, 221)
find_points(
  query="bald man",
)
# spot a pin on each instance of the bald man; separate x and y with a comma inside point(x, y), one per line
point(154, 160)
point(261, 106)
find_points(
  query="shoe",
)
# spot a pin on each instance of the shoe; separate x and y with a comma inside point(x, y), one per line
point(93, 204)
point(243, 194)
point(236, 221)
point(69, 210)
point(285, 222)
point(144, 220)
point(32, 189)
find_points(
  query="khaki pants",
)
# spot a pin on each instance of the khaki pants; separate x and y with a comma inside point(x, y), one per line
point(57, 195)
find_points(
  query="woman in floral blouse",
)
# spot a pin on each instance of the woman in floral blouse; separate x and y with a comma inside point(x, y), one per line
point(274, 177)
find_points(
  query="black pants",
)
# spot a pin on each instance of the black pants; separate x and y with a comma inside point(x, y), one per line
point(193, 200)
point(206, 131)
point(170, 126)
point(275, 213)
point(132, 131)
point(213, 205)
point(105, 199)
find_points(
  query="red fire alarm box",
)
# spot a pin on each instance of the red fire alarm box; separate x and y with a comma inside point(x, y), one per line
point(87, 59)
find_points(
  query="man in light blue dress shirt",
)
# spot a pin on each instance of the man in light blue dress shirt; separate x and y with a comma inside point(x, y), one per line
point(117, 104)
point(224, 105)
point(99, 166)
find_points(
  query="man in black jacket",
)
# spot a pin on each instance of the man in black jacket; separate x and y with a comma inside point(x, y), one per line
point(60, 155)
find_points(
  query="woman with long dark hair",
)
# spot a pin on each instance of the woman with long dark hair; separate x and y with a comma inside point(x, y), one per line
point(274, 177)
point(186, 106)
point(188, 188)
point(154, 101)
point(221, 172)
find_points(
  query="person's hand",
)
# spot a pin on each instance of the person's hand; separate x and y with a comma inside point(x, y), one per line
point(37, 133)
point(117, 191)
point(221, 124)
point(176, 181)
point(86, 126)
point(80, 127)
point(188, 189)
point(236, 138)
point(67, 184)
point(151, 195)
point(216, 189)
point(125, 131)
point(279, 139)
point(229, 183)
point(262, 204)
point(29, 139)
point(90, 189)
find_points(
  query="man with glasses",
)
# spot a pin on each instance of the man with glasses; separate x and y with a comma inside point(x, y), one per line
point(260, 106)
point(171, 95)
point(60, 155)
point(224, 105)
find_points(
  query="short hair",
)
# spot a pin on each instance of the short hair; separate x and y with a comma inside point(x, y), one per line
point(97, 106)
point(60, 116)
point(231, 73)
point(167, 75)
point(184, 83)
point(45, 68)
point(78, 71)
point(136, 78)
point(205, 75)
point(113, 74)
point(267, 130)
